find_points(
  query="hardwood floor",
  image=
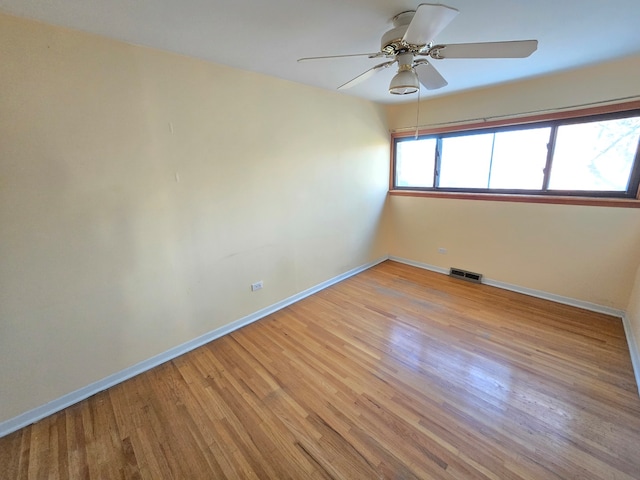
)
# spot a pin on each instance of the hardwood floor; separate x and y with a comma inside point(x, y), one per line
point(395, 373)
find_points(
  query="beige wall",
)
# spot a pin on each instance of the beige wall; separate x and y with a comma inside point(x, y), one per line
point(585, 253)
point(633, 317)
point(601, 83)
point(142, 192)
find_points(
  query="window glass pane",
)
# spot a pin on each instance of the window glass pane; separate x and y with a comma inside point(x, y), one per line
point(465, 161)
point(519, 157)
point(415, 162)
point(595, 156)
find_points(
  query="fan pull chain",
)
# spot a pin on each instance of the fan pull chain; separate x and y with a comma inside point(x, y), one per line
point(418, 114)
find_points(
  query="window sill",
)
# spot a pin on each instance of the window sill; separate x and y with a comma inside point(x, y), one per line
point(496, 197)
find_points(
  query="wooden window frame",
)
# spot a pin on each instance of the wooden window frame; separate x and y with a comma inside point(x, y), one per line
point(551, 198)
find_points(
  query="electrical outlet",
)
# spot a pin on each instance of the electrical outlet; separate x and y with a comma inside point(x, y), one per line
point(257, 286)
point(442, 251)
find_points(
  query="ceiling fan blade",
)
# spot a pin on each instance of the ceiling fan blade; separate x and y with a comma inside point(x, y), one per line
point(515, 49)
point(364, 76)
point(329, 57)
point(428, 21)
point(429, 76)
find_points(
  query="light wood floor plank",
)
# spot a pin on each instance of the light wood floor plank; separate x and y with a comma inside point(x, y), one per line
point(394, 373)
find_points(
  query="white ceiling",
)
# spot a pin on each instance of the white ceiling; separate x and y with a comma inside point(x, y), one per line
point(268, 36)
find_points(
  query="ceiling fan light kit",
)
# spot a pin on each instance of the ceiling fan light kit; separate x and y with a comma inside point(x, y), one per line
point(412, 36)
point(406, 80)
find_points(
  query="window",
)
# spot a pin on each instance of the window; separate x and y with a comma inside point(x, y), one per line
point(416, 164)
point(594, 156)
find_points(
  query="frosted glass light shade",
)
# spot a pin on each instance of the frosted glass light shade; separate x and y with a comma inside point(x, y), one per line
point(404, 82)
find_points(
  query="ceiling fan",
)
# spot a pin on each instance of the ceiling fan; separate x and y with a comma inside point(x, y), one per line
point(412, 38)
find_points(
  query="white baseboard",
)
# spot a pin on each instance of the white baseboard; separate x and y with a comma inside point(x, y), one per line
point(594, 307)
point(38, 413)
point(524, 290)
point(425, 266)
point(634, 350)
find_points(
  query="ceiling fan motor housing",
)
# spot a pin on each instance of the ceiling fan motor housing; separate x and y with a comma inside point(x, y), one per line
point(392, 40)
point(392, 43)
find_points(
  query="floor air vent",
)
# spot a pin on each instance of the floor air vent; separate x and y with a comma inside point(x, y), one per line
point(463, 274)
